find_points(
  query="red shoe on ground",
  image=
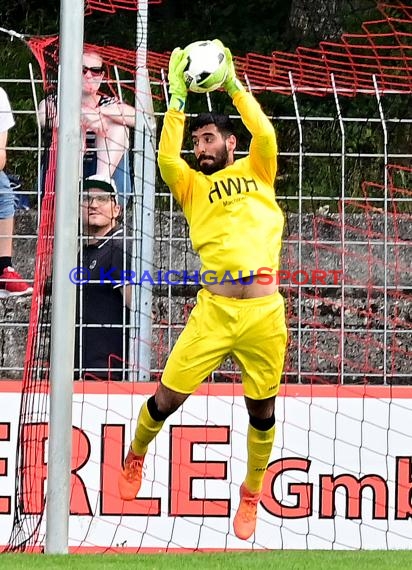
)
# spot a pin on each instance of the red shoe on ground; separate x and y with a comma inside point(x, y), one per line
point(12, 284)
point(244, 523)
point(130, 477)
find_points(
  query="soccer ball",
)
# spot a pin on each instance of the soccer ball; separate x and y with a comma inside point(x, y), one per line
point(206, 68)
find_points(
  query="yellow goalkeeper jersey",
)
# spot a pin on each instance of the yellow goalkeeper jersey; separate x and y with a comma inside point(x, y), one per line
point(235, 222)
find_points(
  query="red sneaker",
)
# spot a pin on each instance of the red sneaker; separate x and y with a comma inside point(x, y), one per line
point(130, 477)
point(12, 284)
point(244, 523)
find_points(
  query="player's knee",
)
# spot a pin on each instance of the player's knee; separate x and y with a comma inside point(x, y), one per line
point(157, 414)
point(164, 403)
point(262, 424)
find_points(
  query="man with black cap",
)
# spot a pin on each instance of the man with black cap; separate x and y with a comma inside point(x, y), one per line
point(104, 285)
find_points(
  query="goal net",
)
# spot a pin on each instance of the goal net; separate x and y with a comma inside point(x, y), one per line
point(339, 476)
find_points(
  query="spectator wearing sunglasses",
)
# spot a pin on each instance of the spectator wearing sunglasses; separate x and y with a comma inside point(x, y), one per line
point(104, 294)
point(106, 124)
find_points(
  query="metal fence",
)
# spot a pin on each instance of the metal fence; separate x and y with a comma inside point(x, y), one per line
point(345, 185)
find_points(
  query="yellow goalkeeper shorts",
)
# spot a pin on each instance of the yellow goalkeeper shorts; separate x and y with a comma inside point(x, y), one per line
point(252, 331)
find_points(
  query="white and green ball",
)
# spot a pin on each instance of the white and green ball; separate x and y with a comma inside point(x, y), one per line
point(206, 68)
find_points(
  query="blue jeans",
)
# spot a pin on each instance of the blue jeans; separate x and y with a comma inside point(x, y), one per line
point(6, 198)
point(121, 176)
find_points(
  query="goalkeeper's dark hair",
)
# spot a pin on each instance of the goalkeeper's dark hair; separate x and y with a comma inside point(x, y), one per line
point(222, 122)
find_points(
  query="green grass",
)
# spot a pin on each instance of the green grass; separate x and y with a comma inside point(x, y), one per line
point(276, 560)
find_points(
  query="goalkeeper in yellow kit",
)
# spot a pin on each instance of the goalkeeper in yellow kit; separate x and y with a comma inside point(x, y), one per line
point(236, 227)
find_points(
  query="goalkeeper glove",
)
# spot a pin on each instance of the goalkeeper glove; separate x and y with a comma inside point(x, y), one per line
point(232, 83)
point(177, 85)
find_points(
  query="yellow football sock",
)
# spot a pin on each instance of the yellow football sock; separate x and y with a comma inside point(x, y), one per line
point(146, 430)
point(259, 447)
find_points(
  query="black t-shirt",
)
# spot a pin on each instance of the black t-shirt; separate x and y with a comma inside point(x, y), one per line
point(100, 302)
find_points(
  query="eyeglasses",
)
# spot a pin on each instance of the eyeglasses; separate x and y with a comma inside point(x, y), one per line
point(100, 198)
point(93, 70)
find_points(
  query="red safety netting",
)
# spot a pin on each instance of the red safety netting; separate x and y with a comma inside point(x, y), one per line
point(379, 58)
point(354, 238)
point(111, 6)
point(382, 51)
point(46, 52)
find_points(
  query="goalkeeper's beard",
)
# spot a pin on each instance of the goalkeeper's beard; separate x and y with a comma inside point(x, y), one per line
point(218, 162)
